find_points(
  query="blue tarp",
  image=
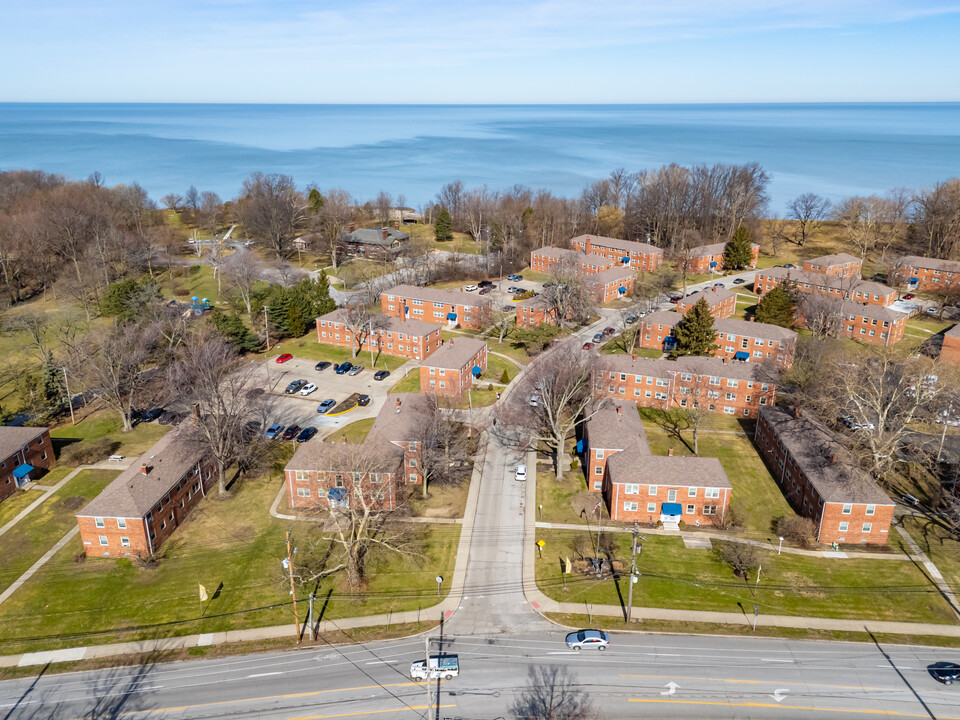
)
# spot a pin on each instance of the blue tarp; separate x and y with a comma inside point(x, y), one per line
point(622, 289)
point(671, 509)
point(451, 316)
point(477, 370)
point(741, 355)
point(22, 471)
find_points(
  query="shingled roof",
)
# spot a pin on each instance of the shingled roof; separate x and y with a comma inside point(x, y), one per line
point(617, 426)
point(633, 467)
point(448, 297)
point(13, 439)
point(454, 353)
point(628, 246)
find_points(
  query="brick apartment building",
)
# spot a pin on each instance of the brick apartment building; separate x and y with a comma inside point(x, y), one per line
point(924, 273)
point(821, 480)
point(148, 501)
point(870, 324)
point(536, 311)
point(391, 335)
point(545, 260)
point(451, 370)
point(638, 486)
point(722, 302)
point(25, 454)
point(736, 339)
point(950, 352)
point(837, 264)
point(839, 287)
point(637, 255)
point(376, 471)
point(439, 307)
point(713, 384)
point(704, 257)
point(611, 284)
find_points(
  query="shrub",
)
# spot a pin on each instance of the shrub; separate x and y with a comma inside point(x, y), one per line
point(181, 291)
point(574, 464)
point(796, 529)
point(740, 557)
point(89, 451)
point(504, 378)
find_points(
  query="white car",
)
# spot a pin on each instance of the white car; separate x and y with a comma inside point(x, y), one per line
point(534, 401)
point(520, 473)
point(470, 288)
point(308, 388)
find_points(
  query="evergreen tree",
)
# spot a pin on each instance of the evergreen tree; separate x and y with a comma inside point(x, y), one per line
point(738, 252)
point(695, 334)
point(231, 327)
point(51, 384)
point(443, 229)
point(777, 307)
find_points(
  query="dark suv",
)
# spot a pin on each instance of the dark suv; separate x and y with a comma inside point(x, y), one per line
point(295, 386)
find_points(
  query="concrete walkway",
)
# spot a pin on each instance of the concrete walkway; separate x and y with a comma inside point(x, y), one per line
point(15, 585)
point(935, 575)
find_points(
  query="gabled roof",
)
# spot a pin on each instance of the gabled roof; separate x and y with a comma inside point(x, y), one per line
point(816, 280)
point(628, 246)
point(633, 467)
point(834, 259)
point(348, 457)
point(712, 296)
point(454, 354)
point(449, 297)
point(414, 411)
point(376, 236)
point(746, 328)
point(416, 328)
point(617, 426)
point(929, 263)
point(663, 368)
point(13, 439)
point(611, 275)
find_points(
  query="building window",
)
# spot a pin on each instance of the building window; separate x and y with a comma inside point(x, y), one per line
point(653, 490)
point(303, 492)
point(867, 527)
point(103, 540)
point(671, 495)
point(729, 410)
point(300, 475)
point(631, 489)
point(413, 477)
point(651, 507)
point(98, 522)
point(690, 509)
point(599, 454)
point(598, 470)
point(847, 509)
point(871, 509)
point(711, 492)
point(844, 526)
point(125, 542)
point(122, 523)
point(630, 507)
point(598, 484)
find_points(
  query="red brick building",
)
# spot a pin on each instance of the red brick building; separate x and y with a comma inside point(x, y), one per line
point(373, 473)
point(821, 480)
point(391, 335)
point(612, 428)
point(611, 284)
point(640, 257)
point(838, 287)
point(838, 265)
point(870, 324)
point(450, 370)
point(536, 311)
point(26, 453)
point(923, 273)
point(439, 307)
point(711, 384)
point(703, 257)
point(148, 501)
point(950, 352)
point(722, 302)
point(546, 259)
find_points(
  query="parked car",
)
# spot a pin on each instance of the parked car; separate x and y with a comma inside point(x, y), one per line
point(291, 432)
point(588, 639)
point(513, 289)
point(587, 346)
point(608, 331)
point(381, 375)
point(306, 434)
point(322, 365)
point(852, 424)
point(151, 414)
point(294, 386)
point(307, 389)
point(534, 400)
point(598, 338)
point(343, 368)
point(789, 265)
point(273, 431)
point(355, 370)
point(326, 406)
point(739, 281)
point(484, 291)
point(718, 284)
point(485, 284)
point(945, 672)
point(283, 358)
point(515, 278)
point(520, 473)
point(674, 301)
point(932, 310)
point(363, 400)
point(508, 308)
point(469, 288)
point(251, 430)
point(631, 319)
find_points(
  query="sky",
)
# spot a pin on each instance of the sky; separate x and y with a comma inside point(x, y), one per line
point(494, 51)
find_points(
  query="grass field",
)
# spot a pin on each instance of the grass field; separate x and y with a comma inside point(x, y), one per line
point(675, 577)
point(409, 384)
point(355, 432)
point(496, 366)
point(940, 545)
point(17, 502)
point(230, 544)
point(106, 424)
point(358, 270)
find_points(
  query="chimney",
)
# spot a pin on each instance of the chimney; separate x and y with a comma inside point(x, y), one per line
point(669, 452)
point(145, 469)
point(634, 357)
point(383, 233)
point(619, 410)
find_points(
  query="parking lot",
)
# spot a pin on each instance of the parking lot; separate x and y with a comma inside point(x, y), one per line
point(302, 410)
point(499, 295)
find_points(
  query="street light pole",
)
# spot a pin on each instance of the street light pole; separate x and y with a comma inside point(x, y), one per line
point(780, 546)
point(266, 327)
point(293, 593)
point(633, 571)
point(66, 385)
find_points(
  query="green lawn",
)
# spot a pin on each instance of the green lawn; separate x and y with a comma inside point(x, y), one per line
point(555, 497)
point(307, 347)
point(358, 270)
point(535, 276)
point(496, 366)
point(233, 543)
point(446, 501)
point(675, 577)
point(942, 547)
point(106, 424)
point(26, 541)
point(461, 243)
point(355, 432)
point(927, 323)
point(15, 503)
point(196, 278)
point(409, 384)
point(610, 348)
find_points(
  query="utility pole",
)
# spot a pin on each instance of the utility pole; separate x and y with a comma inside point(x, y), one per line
point(426, 667)
point(313, 632)
point(266, 327)
point(66, 385)
point(370, 343)
point(293, 593)
point(633, 571)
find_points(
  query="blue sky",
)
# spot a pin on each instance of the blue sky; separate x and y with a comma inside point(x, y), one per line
point(432, 51)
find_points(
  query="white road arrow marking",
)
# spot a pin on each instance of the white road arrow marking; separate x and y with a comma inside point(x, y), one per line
point(671, 688)
point(779, 694)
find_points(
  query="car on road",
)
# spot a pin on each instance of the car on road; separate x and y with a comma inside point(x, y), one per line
point(322, 365)
point(588, 639)
point(283, 358)
point(587, 346)
point(945, 672)
point(608, 331)
point(363, 400)
point(273, 431)
point(343, 368)
point(326, 406)
point(631, 319)
point(674, 301)
point(520, 473)
point(308, 388)
point(485, 284)
point(598, 338)
point(294, 386)
point(306, 434)
point(515, 278)
point(469, 288)
point(718, 285)
point(355, 370)
point(291, 432)
point(739, 281)
point(381, 375)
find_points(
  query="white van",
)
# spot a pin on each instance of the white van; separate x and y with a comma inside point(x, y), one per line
point(441, 666)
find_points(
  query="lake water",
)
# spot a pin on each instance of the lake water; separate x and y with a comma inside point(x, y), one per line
point(835, 150)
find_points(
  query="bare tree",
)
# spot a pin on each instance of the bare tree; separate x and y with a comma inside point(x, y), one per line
point(552, 693)
point(363, 324)
point(451, 197)
point(568, 296)
point(331, 221)
point(809, 211)
point(215, 259)
point(502, 322)
point(868, 223)
point(444, 444)
point(208, 211)
point(242, 271)
point(477, 204)
point(271, 209)
point(172, 201)
point(696, 396)
point(555, 395)
point(191, 199)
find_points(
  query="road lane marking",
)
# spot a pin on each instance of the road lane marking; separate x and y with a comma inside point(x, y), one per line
point(775, 660)
point(383, 662)
point(892, 713)
point(264, 674)
point(756, 682)
point(368, 712)
point(779, 694)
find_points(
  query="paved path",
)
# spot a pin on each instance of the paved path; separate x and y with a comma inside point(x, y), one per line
point(14, 586)
point(931, 569)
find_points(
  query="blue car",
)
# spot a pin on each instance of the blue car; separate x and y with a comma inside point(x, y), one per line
point(515, 278)
point(273, 431)
point(326, 406)
point(343, 368)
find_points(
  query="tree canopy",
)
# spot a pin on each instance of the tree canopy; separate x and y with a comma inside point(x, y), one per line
point(777, 307)
point(738, 252)
point(443, 229)
point(695, 334)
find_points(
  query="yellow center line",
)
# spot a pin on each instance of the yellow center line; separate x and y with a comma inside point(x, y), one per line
point(758, 682)
point(367, 712)
point(793, 707)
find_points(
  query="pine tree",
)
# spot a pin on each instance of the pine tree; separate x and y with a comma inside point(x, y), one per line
point(777, 307)
point(738, 252)
point(443, 229)
point(695, 334)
